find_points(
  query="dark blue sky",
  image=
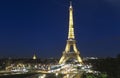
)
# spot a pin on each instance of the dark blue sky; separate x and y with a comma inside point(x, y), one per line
point(41, 26)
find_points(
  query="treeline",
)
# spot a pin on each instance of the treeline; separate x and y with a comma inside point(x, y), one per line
point(90, 75)
point(111, 66)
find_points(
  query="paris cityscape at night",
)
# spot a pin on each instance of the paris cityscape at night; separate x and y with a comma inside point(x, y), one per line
point(60, 39)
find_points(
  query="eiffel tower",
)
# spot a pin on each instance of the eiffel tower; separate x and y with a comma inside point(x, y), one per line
point(71, 51)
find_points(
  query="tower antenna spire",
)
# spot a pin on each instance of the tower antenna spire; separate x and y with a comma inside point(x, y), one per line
point(70, 3)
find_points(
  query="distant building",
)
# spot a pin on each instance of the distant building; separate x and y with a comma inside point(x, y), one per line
point(34, 57)
point(88, 58)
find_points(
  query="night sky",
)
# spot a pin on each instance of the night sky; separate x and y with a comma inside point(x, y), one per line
point(41, 27)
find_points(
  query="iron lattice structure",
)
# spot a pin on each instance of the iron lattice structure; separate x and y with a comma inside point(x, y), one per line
point(71, 50)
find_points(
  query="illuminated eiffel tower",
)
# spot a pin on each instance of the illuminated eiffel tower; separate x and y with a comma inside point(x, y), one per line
point(71, 51)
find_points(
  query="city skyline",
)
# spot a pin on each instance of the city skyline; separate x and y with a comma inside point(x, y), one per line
point(28, 27)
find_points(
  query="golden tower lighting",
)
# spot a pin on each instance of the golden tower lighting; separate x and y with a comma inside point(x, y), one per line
point(34, 57)
point(71, 42)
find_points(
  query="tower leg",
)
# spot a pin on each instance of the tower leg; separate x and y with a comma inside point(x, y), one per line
point(62, 59)
point(79, 59)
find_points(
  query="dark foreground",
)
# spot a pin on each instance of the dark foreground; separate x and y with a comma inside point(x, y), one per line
point(33, 75)
point(18, 75)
